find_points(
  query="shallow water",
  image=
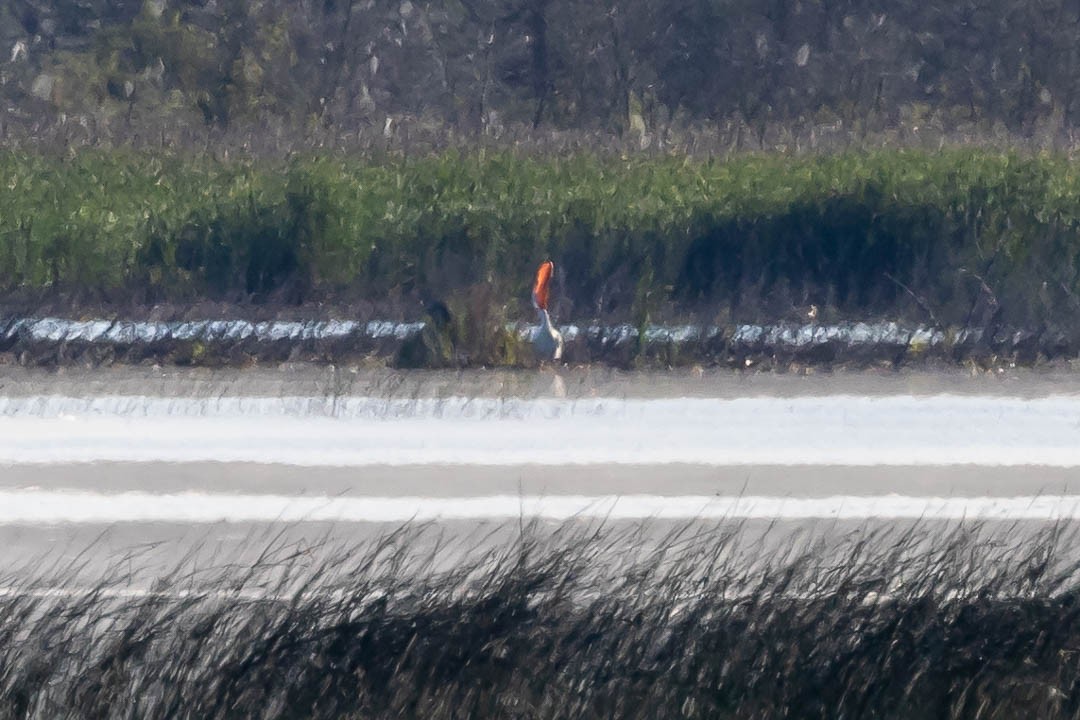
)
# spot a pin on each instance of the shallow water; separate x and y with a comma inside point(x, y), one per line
point(167, 448)
point(351, 417)
point(364, 430)
point(573, 382)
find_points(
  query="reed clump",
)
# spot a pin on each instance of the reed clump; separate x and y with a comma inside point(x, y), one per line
point(925, 622)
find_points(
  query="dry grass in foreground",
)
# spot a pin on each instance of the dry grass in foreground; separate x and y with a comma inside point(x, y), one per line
point(956, 622)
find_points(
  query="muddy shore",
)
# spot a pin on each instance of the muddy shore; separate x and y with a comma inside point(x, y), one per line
point(234, 341)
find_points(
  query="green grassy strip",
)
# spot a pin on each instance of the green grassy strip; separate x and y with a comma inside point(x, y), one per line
point(947, 234)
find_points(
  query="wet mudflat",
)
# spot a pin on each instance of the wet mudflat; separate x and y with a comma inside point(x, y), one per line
point(320, 380)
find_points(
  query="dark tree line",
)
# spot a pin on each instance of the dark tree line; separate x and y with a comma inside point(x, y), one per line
point(758, 72)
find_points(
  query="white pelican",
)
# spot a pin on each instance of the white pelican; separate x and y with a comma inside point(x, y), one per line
point(545, 338)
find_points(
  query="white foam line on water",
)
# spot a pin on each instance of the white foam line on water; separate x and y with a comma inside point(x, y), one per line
point(365, 431)
point(127, 332)
point(60, 507)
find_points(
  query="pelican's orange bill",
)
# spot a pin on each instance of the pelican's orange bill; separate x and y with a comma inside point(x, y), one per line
point(540, 287)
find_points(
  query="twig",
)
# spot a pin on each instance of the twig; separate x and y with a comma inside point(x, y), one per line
point(918, 300)
point(994, 304)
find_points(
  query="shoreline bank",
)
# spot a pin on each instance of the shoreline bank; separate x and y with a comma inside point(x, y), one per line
point(60, 341)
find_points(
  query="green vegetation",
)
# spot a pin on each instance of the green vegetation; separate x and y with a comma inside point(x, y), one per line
point(965, 237)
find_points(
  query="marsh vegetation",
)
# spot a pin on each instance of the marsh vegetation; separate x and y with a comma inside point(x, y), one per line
point(960, 237)
point(959, 621)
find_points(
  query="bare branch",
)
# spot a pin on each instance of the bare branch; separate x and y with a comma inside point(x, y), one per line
point(918, 300)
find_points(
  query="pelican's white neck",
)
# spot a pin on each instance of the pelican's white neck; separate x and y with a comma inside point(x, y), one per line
point(544, 318)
